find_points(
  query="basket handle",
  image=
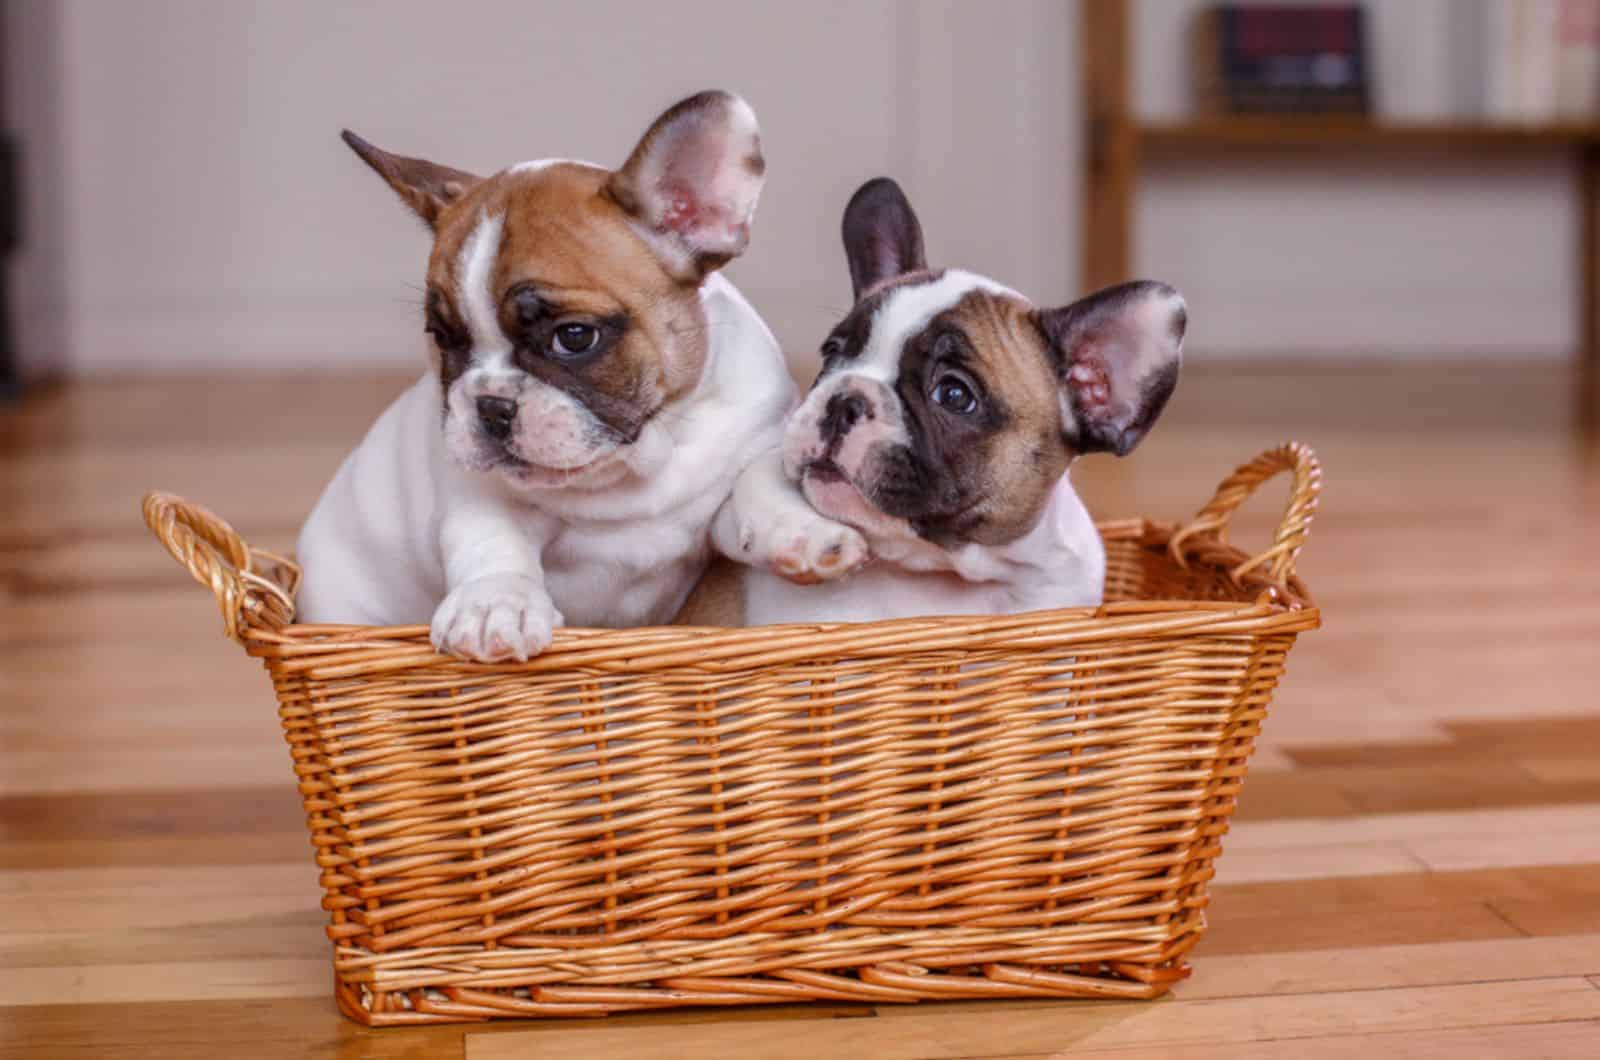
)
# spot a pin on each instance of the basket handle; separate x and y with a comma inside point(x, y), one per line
point(219, 559)
point(1214, 518)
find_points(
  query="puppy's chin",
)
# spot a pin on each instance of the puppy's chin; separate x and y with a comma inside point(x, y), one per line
point(830, 491)
point(597, 474)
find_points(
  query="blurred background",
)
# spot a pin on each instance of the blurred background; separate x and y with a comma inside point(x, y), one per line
point(188, 207)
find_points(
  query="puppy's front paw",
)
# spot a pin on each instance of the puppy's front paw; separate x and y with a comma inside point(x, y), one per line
point(496, 618)
point(814, 549)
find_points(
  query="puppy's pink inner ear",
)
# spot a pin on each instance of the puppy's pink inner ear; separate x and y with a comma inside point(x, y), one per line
point(1120, 350)
point(699, 199)
point(703, 200)
point(1091, 381)
point(693, 181)
point(1099, 376)
point(684, 213)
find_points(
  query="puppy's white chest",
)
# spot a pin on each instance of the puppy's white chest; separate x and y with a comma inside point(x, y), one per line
point(624, 574)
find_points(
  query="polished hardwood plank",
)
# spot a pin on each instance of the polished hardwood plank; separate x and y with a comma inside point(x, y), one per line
point(1414, 868)
point(1549, 1041)
point(950, 1032)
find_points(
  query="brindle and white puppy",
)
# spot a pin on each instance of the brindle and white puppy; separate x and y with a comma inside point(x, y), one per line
point(595, 389)
point(947, 414)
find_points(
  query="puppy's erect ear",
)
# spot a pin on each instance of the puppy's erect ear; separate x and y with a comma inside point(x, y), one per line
point(692, 183)
point(424, 186)
point(1117, 353)
point(882, 238)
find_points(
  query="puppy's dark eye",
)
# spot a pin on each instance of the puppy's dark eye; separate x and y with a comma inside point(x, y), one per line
point(954, 394)
point(832, 346)
point(572, 340)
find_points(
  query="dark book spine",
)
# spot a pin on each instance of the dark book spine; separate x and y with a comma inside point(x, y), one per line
point(1290, 59)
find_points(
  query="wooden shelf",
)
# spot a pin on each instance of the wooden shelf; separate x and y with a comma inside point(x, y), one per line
point(1333, 132)
point(1117, 143)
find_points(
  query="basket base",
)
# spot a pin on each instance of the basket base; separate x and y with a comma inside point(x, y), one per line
point(878, 984)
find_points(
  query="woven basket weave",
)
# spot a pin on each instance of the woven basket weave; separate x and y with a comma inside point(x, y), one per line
point(1022, 805)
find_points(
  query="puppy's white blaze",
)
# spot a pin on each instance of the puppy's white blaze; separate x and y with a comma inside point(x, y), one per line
point(907, 311)
point(474, 274)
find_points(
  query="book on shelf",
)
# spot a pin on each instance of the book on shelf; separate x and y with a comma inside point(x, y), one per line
point(1527, 61)
point(1501, 61)
point(1282, 59)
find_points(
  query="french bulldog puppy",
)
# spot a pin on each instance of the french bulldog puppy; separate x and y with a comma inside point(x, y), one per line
point(942, 427)
point(595, 388)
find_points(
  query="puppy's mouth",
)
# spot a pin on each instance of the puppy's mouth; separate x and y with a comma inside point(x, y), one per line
point(891, 509)
point(824, 470)
point(834, 493)
point(608, 446)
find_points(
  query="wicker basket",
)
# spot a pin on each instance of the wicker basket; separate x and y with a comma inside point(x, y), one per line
point(1024, 805)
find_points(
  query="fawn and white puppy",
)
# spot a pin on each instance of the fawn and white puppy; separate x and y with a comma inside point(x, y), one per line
point(595, 388)
point(942, 427)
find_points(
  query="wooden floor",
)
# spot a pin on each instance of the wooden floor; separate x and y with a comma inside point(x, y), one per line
point(1415, 868)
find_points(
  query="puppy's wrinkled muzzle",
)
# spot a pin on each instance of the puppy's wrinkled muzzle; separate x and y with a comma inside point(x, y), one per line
point(838, 421)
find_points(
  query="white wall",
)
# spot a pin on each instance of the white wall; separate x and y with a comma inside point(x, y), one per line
point(191, 208)
point(210, 219)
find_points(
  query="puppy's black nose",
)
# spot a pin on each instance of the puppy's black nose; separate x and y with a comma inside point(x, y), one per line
point(844, 411)
point(497, 415)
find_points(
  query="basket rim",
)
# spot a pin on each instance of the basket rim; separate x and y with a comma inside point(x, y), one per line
point(255, 589)
point(338, 651)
